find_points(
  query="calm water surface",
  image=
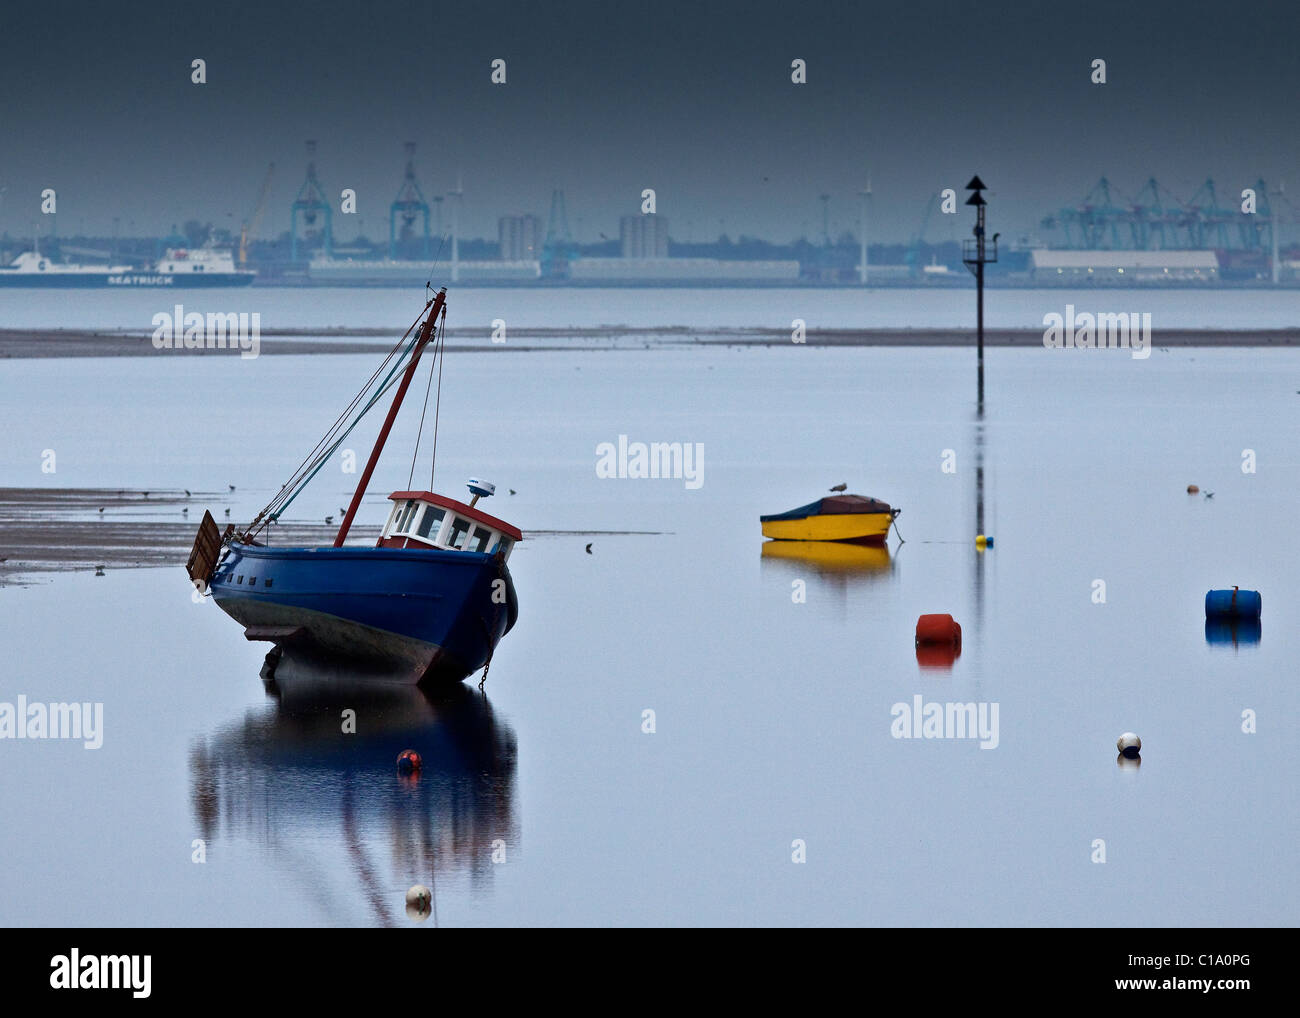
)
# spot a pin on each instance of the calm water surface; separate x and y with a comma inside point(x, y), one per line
point(773, 717)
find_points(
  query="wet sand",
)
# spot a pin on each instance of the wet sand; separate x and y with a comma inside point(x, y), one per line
point(62, 529)
point(24, 343)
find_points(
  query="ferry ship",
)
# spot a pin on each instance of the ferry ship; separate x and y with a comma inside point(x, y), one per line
point(179, 268)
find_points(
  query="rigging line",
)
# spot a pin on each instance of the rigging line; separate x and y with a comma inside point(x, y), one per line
point(319, 463)
point(347, 410)
point(325, 458)
point(357, 398)
point(311, 460)
point(437, 407)
point(437, 257)
point(419, 434)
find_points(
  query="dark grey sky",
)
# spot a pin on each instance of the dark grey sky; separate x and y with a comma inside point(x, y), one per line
point(604, 99)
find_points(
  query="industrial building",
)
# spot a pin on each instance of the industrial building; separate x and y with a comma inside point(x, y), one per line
point(681, 271)
point(389, 272)
point(1112, 267)
point(644, 236)
point(520, 238)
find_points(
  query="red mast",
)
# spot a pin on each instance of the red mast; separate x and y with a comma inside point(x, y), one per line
point(426, 332)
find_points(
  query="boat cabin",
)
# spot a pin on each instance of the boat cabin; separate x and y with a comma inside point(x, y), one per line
point(421, 519)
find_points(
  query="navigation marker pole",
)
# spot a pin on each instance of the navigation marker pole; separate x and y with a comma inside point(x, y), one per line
point(975, 255)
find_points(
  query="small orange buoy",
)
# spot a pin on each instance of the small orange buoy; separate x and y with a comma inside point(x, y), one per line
point(938, 630)
point(1192, 489)
point(408, 762)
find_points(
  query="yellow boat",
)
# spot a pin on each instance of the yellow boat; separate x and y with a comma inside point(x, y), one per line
point(836, 518)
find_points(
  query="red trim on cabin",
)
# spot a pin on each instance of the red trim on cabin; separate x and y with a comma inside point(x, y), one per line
point(401, 542)
point(444, 502)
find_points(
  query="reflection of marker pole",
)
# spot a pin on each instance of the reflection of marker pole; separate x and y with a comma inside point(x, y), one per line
point(976, 254)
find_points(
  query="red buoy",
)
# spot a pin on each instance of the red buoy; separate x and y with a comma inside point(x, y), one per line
point(938, 630)
point(408, 762)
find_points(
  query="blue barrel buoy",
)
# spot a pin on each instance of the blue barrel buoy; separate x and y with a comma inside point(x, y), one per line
point(1233, 604)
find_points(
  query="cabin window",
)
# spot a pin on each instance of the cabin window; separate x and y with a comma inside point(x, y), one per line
point(431, 521)
point(459, 530)
point(405, 519)
point(391, 525)
point(480, 540)
point(504, 546)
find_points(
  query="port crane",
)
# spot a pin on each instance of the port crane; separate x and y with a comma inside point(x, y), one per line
point(310, 203)
point(408, 204)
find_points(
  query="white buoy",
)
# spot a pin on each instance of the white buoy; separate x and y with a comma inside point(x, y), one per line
point(1129, 744)
point(419, 902)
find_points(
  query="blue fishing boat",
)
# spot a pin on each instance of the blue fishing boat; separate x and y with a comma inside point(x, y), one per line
point(428, 602)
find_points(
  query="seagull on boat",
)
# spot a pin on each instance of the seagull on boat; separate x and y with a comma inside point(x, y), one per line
point(840, 487)
point(1209, 494)
point(227, 512)
point(187, 492)
point(511, 490)
point(329, 519)
point(588, 549)
point(185, 511)
point(101, 508)
point(231, 487)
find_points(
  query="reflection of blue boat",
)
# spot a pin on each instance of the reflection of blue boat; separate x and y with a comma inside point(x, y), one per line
point(1232, 632)
point(430, 601)
point(292, 781)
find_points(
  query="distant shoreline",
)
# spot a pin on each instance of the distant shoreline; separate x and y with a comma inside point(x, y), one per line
point(23, 344)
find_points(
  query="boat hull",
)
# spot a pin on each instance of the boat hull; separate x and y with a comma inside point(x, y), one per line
point(127, 280)
point(395, 614)
point(865, 527)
